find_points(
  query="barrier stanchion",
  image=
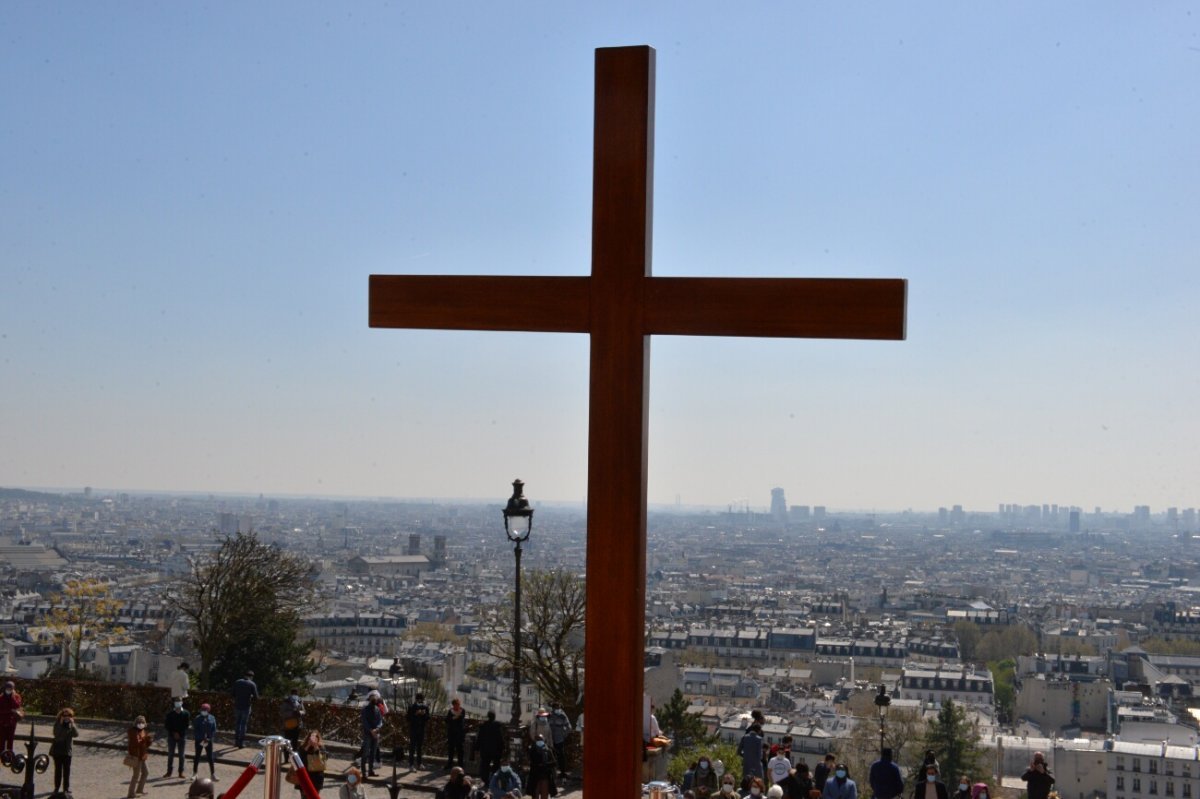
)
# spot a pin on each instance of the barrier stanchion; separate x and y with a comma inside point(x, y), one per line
point(244, 778)
point(306, 784)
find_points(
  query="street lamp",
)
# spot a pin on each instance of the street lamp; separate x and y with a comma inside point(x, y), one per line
point(518, 524)
point(395, 677)
point(882, 700)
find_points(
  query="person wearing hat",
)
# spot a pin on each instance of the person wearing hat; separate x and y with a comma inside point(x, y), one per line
point(372, 729)
point(137, 752)
point(202, 788)
point(204, 732)
point(10, 714)
point(779, 766)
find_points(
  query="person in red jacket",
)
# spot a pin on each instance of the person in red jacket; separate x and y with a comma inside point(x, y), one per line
point(10, 714)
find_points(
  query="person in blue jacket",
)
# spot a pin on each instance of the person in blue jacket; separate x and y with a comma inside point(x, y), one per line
point(840, 786)
point(204, 732)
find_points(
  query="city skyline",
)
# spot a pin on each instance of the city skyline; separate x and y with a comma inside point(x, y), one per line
point(199, 198)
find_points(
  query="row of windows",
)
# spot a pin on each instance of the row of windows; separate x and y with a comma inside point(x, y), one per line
point(1152, 766)
point(1136, 786)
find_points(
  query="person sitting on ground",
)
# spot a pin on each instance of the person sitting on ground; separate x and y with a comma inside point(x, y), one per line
point(504, 781)
point(458, 786)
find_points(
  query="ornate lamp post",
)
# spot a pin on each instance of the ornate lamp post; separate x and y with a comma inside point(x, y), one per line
point(882, 701)
point(518, 524)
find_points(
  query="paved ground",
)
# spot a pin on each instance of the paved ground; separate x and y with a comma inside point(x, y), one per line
point(98, 773)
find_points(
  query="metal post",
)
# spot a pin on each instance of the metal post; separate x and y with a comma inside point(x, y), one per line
point(275, 747)
point(515, 721)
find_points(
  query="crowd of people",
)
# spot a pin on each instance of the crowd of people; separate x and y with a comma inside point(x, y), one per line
point(770, 770)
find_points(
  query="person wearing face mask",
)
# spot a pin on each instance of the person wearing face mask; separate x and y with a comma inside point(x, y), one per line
point(704, 782)
point(840, 786)
point(932, 787)
point(504, 781)
point(541, 770)
point(779, 766)
point(727, 787)
point(755, 788)
point(136, 753)
point(10, 714)
point(884, 777)
point(456, 732)
point(352, 788)
point(204, 732)
point(980, 791)
point(177, 722)
point(964, 787)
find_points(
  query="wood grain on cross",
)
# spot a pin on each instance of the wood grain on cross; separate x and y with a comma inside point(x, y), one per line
point(620, 306)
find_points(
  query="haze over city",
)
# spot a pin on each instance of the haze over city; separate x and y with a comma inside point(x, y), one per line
point(193, 199)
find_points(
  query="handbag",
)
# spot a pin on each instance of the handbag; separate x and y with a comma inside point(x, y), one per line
point(316, 761)
point(133, 761)
point(293, 777)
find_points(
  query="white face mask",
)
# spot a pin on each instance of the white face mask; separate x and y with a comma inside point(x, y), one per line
point(203, 713)
point(962, 786)
point(140, 726)
point(179, 705)
point(506, 769)
point(727, 788)
point(755, 791)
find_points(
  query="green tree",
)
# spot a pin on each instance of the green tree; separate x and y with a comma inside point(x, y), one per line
point(1004, 673)
point(553, 605)
point(1006, 642)
point(955, 740)
point(724, 753)
point(682, 727)
point(244, 602)
point(904, 733)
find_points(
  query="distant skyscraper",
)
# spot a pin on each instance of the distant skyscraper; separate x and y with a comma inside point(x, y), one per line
point(227, 523)
point(778, 505)
point(800, 512)
point(414, 544)
point(1074, 522)
point(439, 548)
point(819, 512)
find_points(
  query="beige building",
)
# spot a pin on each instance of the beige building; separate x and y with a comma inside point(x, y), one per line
point(1054, 703)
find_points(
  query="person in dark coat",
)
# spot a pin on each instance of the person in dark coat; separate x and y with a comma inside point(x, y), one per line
point(489, 744)
point(456, 732)
point(932, 787)
point(65, 733)
point(1037, 778)
point(797, 784)
point(541, 770)
point(750, 749)
point(458, 786)
point(418, 718)
point(885, 778)
point(177, 722)
point(823, 772)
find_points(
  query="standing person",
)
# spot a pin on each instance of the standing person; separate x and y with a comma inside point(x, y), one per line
point(418, 717)
point(541, 770)
point(456, 732)
point(750, 749)
point(137, 752)
point(372, 728)
point(979, 791)
point(204, 732)
point(823, 772)
point(291, 716)
point(180, 681)
point(10, 713)
point(885, 778)
point(797, 784)
point(560, 729)
point(61, 750)
point(489, 744)
point(932, 787)
point(504, 781)
point(778, 767)
point(314, 757)
point(352, 788)
point(840, 786)
point(704, 784)
point(964, 787)
point(244, 691)
point(178, 722)
point(1038, 778)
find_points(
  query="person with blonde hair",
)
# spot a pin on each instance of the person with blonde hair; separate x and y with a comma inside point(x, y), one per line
point(65, 733)
point(136, 753)
point(313, 756)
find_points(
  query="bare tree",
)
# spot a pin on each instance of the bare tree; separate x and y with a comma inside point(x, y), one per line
point(553, 615)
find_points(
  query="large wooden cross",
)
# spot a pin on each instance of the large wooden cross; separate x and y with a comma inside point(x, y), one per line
point(620, 306)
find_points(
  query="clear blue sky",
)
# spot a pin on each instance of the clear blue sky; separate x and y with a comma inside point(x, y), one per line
point(192, 197)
